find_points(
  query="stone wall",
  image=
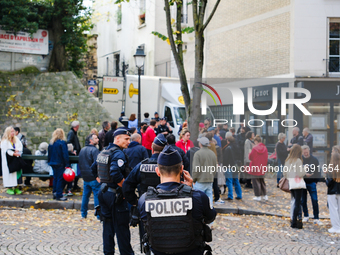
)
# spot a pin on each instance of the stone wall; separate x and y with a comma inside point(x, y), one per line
point(58, 96)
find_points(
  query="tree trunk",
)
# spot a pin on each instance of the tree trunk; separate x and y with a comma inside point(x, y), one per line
point(178, 54)
point(195, 113)
point(58, 59)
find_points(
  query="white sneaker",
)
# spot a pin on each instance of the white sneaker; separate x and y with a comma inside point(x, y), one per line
point(219, 202)
point(265, 197)
point(318, 222)
point(305, 219)
point(257, 198)
point(333, 230)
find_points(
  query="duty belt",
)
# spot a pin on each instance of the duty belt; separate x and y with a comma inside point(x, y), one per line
point(111, 190)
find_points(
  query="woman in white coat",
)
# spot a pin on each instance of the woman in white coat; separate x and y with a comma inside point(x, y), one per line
point(9, 143)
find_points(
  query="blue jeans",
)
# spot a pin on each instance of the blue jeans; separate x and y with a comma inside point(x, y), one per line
point(205, 187)
point(279, 174)
point(232, 181)
point(311, 187)
point(92, 186)
point(58, 180)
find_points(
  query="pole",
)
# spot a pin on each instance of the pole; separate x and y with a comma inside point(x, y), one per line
point(139, 92)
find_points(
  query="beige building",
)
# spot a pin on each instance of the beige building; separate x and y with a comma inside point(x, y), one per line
point(265, 38)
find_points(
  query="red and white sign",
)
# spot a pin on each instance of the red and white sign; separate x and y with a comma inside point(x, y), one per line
point(23, 43)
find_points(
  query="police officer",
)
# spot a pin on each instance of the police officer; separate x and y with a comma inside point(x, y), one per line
point(164, 127)
point(175, 216)
point(112, 166)
point(143, 174)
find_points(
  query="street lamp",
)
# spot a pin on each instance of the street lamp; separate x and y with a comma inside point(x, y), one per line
point(139, 60)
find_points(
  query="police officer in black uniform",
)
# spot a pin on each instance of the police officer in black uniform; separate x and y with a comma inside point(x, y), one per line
point(164, 127)
point(112, 168)
point(175, 215)
point(144, 175)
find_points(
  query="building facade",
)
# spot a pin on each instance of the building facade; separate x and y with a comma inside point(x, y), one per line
point(294, 41)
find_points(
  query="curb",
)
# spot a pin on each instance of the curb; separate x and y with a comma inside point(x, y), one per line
point(49, 204)
point(71, 204)
point(242, 211)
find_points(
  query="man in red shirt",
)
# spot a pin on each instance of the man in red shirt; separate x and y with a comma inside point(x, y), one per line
point(150, 136)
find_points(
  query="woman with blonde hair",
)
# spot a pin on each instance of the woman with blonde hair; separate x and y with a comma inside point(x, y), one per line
point(58, 159)
point(333, 192)
point(11, 146)
point(184, 143)
point(294, 172)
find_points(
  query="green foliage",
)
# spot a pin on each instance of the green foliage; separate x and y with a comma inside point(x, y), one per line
point(188, 30)
point(163, 37)
point(26, 70)
point(120, 1)
point(22, 15)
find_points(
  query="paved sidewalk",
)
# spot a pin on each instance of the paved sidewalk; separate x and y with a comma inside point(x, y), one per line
point(31, 231)
point(40, 196)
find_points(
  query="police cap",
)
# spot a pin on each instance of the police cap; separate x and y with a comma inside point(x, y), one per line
point(121, 131)
point(169, 157)
point(211, 129)
point(160, 140)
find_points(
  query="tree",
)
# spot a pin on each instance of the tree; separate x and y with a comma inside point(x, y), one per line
point(68, 19)
point(200, 24)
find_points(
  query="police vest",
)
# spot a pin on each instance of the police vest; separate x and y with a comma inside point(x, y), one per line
point(170, 226)
point(104, 164)
point(148, 175)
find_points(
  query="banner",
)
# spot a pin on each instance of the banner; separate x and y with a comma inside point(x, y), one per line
point(23, 43)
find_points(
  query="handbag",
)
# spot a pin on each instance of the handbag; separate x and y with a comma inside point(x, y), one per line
point(15, 164)
point(297, 183)
point(284, 184)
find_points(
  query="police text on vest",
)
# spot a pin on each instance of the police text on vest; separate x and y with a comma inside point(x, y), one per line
point(168, 207)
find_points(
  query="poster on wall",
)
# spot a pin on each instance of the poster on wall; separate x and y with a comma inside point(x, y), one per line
point(22, 42)
point(317, 122)
point(320, 138)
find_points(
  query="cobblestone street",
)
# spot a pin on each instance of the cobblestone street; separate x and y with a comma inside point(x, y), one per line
point(30, 231)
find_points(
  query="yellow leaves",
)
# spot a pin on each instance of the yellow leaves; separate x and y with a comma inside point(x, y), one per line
point(11, 98)
point(39, 201)
point(44, 232)
point(31, 207)
point(173, 21)
point(168, 41)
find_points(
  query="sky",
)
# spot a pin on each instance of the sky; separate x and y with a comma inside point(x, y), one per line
point(87, 3)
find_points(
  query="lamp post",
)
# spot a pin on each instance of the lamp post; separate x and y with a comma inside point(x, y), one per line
point(139, 60)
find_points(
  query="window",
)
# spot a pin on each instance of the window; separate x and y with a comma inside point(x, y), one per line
point(142, 12)
point(184, 12)
point(119, 16)
point(168, 116)
point(334, 45)
point(116, 59)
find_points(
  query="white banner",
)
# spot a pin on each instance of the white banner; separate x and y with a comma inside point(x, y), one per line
point(23, 43)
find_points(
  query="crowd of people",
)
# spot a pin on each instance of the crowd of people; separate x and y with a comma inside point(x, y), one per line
point(216, 146)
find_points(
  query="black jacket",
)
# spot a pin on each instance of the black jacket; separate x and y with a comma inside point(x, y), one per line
point(185, 159)
point(333, 186)
point(109, 137)
point(73, 138)
point(312, 163)
point(87, 157)
point(281, 152)
point(228, 155)
point(297, 139)
point(241, 139)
